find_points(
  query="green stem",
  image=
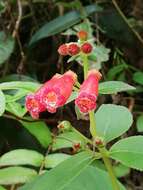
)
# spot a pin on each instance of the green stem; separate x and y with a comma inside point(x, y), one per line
point(85, 64)
point(92, 124)
point(109, 168)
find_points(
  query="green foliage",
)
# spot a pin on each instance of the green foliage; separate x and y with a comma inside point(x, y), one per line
point(61, 23)
point(2, 103)
point(62, 175)
point(6, 47)
point(91, 178)
point(129, 152)
point(52, 160)
point(140, 123)
point(21, 157)
point(16, 175)
point(113, 87)
point(138, 77)
point(112, 121)
point(39, 130)
point(121, 170)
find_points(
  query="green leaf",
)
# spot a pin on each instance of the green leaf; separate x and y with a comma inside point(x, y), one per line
point(62, 175)
point(140, 123)
point(138, 77)
point(129, 151)
point(18, 95)
point(67, 139)
point(2, 103)
point(16, 109)
point(116, 70)
point(2, 188)
point(15, 175)
point(121, 170)
point(92, 178)
point(6, 47)
point(30, 86)
point(21, 157)
point(113, 87)
point(61, 23)
point(52, 160)
point(112, 121)
point(39, 130)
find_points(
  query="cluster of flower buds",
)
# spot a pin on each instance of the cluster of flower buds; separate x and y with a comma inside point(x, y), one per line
point(75, 48)
point(57, 90)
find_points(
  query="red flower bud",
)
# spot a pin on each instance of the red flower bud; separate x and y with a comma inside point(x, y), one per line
point(63, 49)
point(56, 91)
point(34, 106)
point(82, 35)
point(86, 100)
point(73, 49)
point(86, 48)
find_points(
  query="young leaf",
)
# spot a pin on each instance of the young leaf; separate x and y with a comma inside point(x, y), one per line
point(67, 139)
point(40, 130)
point(15, 175)
point(112, 121)
point(52, 160)
point(6, 47)
point(129, 151)
point(61, 175)
point(16, 109)
point(61, 23)
point(2, 103)
point(21, 157)
point(92, 178)
point(113, 87)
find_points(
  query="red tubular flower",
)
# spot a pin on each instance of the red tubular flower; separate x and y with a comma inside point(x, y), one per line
point(56, 91)
point(86, 48)
point(73, 49)
point(63, 49)
point(82, 35)
point(34, 106)
point(86, 100)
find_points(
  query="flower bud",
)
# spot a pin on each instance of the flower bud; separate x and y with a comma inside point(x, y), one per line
point(86, 48)
point(63, 49)
point(82, 35)
point(73, 49)
point(64, 125)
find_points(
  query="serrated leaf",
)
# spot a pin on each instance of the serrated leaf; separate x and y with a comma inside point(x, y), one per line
point(61, 175)
point(2, 103)
point(52, 160)
point(21, 157)
point(61, 23)
point(129, 151)
point(40, 131)
point(15, 175)
point(92, 178)
point(6, 47)
point(29, 86)
point(140, 123)
point(101, 53)
point(112, 121)
point(67, 139)
point(138, 77)
point(113, 87)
